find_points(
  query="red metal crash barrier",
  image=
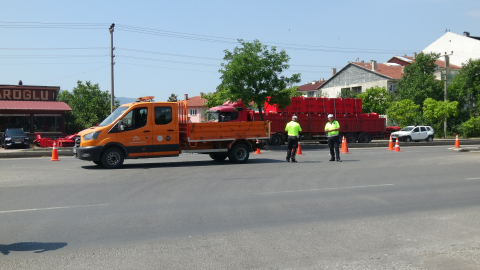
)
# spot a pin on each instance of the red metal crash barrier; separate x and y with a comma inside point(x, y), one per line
point(67, 141)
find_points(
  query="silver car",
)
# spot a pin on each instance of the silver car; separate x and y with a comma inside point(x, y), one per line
point(414, 133)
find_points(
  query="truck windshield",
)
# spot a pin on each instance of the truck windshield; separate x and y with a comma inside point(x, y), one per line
point(113, 116)
point(212, 116)
point(406, 129)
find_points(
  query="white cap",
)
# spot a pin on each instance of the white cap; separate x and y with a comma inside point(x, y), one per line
point(330, 116)
point(294, 117)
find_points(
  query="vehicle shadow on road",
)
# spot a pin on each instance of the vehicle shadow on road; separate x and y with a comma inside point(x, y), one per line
point(200, 163)
point(38, 247)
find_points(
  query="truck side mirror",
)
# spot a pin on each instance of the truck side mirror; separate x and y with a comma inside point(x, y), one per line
point(121, 127)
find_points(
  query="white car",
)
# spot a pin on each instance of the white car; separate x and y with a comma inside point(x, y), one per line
point(414, 133)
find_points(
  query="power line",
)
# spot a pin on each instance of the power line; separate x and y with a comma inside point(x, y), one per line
point(119, 62)
point(49, 56)
point(39, 49)
point(73, 75)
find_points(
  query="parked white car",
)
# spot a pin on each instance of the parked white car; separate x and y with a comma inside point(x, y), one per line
point(414, 133)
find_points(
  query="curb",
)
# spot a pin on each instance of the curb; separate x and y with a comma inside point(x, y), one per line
point(37, 152)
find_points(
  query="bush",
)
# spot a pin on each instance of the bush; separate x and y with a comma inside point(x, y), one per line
point(471, 128)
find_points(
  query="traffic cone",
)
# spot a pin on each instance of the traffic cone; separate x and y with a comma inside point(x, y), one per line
point(299, 150)
point(390, 144)
point(397, 146)
point(54, 153)
point(345, 146)
point(257, 152)
point(457, 142)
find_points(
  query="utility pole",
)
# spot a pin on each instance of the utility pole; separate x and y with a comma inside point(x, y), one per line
point(111, 71)
point(447, 64)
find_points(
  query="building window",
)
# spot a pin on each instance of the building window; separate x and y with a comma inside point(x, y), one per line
point(357, 90)
point(392, 87)
point(47, 122)
point(193, 112)
point(310, 93)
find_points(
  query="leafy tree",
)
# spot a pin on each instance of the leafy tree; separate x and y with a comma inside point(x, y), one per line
point(418, 80)
point(346, 93)
point(216, 98)
point(404, 112)
point(375, 99)
point(471, 128)
point(89, 106)
point(465, 88)
point(253, 73)
point(173, 98)
point(435, 112)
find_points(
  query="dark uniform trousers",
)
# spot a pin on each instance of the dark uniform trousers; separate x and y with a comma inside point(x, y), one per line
point(292, 147)
point(333, 142)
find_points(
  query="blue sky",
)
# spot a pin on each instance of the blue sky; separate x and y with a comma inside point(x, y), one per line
point(165, 47)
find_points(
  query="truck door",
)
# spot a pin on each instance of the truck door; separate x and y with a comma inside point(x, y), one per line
point(136, 135)
point(165, 130)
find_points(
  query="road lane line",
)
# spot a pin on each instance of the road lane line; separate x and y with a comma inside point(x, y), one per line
point(50, 208)
point(472, 178)
point(321, 189)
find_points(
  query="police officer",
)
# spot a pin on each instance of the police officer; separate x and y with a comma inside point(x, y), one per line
point(293, 128)
point(332, 128)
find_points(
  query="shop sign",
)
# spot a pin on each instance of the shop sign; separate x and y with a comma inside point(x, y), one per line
point(27, 94)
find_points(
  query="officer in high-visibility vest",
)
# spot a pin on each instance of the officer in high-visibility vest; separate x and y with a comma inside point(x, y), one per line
point(293, 128)
point(332, 128)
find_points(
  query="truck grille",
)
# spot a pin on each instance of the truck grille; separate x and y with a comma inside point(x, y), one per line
point(77, 141)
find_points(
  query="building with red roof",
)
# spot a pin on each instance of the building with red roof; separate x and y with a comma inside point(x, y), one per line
point(310, 89)
point(33, 108)
point(196, 107)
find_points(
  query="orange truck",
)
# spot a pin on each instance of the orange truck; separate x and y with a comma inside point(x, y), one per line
point(147, 129)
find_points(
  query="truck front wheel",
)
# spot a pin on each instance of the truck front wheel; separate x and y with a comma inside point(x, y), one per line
point(364, 138)
point(238, 153)
point(112, 158)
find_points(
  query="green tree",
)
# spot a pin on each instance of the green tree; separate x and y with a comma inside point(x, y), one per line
point(404, 112)
point(471, 128)
point(216, 98)
point(465, 88)
point(375, 99)
point(89, 106)
point(435, 112)
point(173, 98)
point(346, 93)
point(252, 72)
point(418, 80)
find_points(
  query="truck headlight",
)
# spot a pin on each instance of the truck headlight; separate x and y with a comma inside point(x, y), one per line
point(91, 136)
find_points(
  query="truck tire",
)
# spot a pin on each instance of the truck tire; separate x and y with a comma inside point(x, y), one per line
point(351, 137)
point(364, 137)
point(112, 158)
point(277, 139)
point(238, 154)
point(218, 156)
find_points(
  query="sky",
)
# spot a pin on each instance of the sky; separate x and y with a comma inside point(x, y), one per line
point(165, 47)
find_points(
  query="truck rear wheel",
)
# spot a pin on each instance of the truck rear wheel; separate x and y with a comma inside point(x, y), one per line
point(218, 156)
point(277, 139)
point(364, 137)
point(351, 137)
point(112, 158)
point(238, 153)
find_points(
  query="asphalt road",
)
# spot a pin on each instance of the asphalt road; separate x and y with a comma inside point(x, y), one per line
point(378, 209)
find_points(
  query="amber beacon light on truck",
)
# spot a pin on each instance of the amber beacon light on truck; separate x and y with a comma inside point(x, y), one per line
point(147, 129)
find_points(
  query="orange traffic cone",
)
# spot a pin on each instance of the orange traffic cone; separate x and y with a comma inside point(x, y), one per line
point(54, 153)
point(257, 152)
point(345, 146)
point(457, 142)
point(397, 146)
point(299, 150)
point(390, 144)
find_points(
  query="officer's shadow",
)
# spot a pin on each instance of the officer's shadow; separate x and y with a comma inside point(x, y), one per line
point(38, 247)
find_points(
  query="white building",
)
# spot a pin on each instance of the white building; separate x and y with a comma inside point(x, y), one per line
point(463, 46)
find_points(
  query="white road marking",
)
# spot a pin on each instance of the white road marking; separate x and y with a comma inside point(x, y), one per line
point(320, 189)
point(49, 208)
point(472, 178)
